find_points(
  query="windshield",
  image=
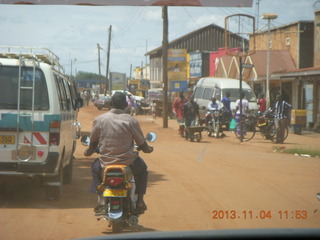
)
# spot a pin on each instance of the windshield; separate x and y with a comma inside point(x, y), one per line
point(204, 172)
point(9, 79)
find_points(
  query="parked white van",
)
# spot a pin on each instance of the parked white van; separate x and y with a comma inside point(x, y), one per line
point(38, 118)
point(209, 87)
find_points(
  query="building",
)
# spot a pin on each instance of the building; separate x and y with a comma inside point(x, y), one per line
point(209, 38)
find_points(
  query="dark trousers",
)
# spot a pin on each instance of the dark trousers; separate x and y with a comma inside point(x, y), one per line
point(138, 167)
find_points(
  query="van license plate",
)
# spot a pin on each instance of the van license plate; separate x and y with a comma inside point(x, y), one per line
point(115, 193)
point(6, 139)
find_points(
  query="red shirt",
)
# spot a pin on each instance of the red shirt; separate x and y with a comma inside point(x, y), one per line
point(262, 104)
point(177, 106)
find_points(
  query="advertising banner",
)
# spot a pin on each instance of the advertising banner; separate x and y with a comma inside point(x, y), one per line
point(177, 65)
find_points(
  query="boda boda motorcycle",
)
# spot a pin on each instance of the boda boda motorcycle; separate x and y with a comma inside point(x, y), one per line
point(118, 191)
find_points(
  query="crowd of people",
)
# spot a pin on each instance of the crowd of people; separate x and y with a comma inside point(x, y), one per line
point(187, 111)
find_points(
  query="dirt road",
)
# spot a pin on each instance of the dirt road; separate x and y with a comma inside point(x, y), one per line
point(213, 184)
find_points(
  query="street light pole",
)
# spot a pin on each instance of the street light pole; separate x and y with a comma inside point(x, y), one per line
point(269, 17)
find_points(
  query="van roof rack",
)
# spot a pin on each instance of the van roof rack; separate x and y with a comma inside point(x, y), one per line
point(40, 54)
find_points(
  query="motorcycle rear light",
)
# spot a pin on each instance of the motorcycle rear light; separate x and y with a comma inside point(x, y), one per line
point(115, 202)
point(115, 181)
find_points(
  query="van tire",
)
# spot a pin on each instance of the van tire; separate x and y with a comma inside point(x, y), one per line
point(55, 192)
point(67, 172)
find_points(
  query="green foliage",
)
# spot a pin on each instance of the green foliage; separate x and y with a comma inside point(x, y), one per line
point(301, 151)
point(86, 75)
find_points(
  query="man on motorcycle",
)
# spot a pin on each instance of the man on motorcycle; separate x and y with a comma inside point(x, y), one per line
point(212, 105)
point(114, 133)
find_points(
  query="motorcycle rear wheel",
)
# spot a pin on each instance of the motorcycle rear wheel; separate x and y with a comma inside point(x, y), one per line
point(117, 226)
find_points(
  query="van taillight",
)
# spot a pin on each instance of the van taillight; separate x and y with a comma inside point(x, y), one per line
point(54, 135)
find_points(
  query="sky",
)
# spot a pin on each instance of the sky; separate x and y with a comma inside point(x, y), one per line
point(73, 32)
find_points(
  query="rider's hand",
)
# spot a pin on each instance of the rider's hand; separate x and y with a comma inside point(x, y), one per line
point(86, 152)
point(150, 149)
point(100, 188)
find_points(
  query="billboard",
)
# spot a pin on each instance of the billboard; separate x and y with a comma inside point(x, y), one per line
point(194, 3)
point(199, 64)
point(177, 65)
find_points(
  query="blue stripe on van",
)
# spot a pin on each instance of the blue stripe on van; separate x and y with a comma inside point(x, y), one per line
point(9, 120)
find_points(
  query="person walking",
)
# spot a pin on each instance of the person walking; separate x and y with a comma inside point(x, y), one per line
point(190, 112)
point(281, 115)
point(177, 109)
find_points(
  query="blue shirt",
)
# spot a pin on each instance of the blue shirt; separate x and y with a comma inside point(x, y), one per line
point(226, 102)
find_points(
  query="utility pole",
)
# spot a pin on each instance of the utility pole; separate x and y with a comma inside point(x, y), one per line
point(165, 65)
point(108, 82)
point(99, 67)
point(269, 17)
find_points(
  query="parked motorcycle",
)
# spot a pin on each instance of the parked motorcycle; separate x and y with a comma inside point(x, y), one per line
point(118, 190)
point(265, 123)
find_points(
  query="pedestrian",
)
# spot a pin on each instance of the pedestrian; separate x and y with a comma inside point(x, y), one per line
point(262, 103)
point(130, 108)
point(226, 107)
point(281, 115)
point(177, 109)
point(154, 109)
point(190, 112)
point(244, 106)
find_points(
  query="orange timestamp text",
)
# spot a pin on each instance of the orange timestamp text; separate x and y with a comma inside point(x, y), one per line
point(259, 214)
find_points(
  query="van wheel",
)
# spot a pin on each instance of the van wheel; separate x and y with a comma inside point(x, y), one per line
point(67, 172)
point(54, 186)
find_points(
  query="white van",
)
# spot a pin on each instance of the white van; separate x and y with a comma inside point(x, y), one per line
point(209, 87)
point(38, 118)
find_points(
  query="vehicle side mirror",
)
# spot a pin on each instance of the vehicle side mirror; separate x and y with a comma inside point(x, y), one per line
point(85, 140)
point(151, 137)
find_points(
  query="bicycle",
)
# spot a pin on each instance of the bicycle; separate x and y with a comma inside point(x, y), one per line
point(258, 122)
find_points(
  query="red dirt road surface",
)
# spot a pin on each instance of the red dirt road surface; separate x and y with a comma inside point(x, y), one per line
point(212, 184)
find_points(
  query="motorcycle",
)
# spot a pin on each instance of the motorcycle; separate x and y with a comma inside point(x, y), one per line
point(215, 122)
point(118, 191)
point(265, 123)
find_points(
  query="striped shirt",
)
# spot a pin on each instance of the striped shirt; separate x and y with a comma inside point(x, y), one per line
point(281, 109)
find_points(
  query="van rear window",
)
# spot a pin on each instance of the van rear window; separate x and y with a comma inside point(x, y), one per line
point(9, 80)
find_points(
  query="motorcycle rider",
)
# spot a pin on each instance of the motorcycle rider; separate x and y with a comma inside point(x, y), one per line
point(212, 105)
point(114, 134)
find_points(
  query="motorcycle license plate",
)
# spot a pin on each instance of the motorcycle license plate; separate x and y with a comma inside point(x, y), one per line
point(262, 124)
point(115, 193)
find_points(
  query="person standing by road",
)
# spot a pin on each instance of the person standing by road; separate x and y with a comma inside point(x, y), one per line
point(177, 109)
point(262, 103)
point(226, 109)
point(244, 106)
point(190, 112)
point(281, 114)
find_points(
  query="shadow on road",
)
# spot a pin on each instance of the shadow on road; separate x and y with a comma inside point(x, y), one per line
point(27, 193)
